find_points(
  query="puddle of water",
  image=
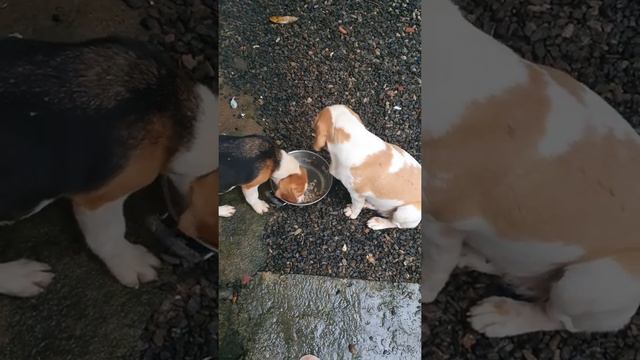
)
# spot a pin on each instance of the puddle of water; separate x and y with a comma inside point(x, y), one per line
point(285, 317)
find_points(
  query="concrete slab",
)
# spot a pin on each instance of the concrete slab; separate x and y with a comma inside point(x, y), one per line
point(285, 317)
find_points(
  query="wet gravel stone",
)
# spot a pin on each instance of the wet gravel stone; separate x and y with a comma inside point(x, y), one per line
point(354, 53)
point(597, 42)
point(185, 326)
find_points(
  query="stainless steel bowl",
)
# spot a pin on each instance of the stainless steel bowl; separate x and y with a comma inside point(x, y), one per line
point(175, 207)
point(318, 174)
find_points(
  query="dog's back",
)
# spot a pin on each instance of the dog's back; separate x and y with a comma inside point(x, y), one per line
point(73, 113)
point(243, 158)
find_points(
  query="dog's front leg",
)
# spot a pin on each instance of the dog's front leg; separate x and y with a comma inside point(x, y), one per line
point(357, 204)
point(104, 229)
point(252, 196)
point(441, 248)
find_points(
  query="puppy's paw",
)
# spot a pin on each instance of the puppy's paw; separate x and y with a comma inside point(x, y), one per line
point(226, 210)
point(133, 264)
point(24, 278)
point(348, 211)
point(260, 207)
point(378, 223)
point(499, 316)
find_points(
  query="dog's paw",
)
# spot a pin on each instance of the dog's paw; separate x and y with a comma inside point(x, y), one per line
point(500, 316)
point(348, 211)
point(24, 278)
point(260, 207)
point(133, 265)
point(226, 210)
point(378, 223)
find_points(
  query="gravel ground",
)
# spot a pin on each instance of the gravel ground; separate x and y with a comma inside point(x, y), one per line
point(185, 326)
point(364, 54)
point(598, 43)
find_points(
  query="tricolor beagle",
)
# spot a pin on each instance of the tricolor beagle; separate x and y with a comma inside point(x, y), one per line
point(249, 161)
point(94, 122)
point(378, 175)
point(528, 175)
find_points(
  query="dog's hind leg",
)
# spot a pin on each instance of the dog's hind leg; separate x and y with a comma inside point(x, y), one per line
point(441, 247)
point(104, 229)
point(593, 296)
point(404, 217)
point(24, 278)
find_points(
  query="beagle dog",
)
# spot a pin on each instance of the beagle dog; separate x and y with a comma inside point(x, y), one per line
point(93, 122)
point(378, 175)
point(249, 161)
point(531, 176)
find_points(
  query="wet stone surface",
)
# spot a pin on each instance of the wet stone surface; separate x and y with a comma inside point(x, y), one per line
point(596, 41)
point(365, 55)
point(287, 316)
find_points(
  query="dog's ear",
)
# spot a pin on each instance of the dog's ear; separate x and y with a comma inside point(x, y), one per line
point(201, 217)
point(322, 127)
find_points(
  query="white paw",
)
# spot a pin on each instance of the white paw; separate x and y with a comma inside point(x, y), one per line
point(378, 223)
point(226, 210)
point(24, 278)
point(260, 207)
point(132, 265)
point(499, 316)
point(349, 212)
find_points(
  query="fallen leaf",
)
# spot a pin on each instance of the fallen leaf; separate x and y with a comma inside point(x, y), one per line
point(233, 103)
point(246, 279)
point(371, 259)
point(344, 247)
point(283, 19)
point(297, 232)
point(409, 29)
point(353, 349)
point(234, 297)
point(342, 30)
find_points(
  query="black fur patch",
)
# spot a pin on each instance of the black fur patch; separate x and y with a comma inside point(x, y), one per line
point(70, 113)
point(242, 158)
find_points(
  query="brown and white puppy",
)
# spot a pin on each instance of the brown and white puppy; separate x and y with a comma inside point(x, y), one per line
point(378, 175)
point(251, 160)
point(528, 175)
point(94, 122)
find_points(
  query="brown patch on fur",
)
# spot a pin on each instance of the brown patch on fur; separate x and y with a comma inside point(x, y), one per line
point(200, 220)
point(293, 186)
point(322, 128)
point(373, 176)
point(146, 162)
point(263, 175)
point(566, 199)
point(569, 84)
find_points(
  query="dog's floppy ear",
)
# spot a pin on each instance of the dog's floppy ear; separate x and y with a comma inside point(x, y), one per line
point(201, 217)
point(322, 127)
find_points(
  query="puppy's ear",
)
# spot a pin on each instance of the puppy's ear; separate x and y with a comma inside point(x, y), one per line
point(322, 126)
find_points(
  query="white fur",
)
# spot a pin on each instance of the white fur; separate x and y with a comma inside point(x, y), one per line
point(24, 278)
point(104, 230)
point(569, 120)
point(288, 166)
point(354, 152)
point(465, 66)
point(226, 210)
point(251, 195)
point(460, 66)
point(201, 156)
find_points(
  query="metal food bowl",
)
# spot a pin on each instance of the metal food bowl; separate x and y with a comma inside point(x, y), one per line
point(176, 206)
point(319, 178)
